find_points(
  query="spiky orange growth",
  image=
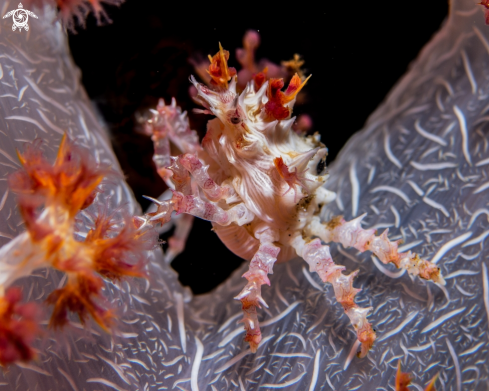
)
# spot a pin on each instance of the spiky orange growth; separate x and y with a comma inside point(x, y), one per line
point(113, 248)
point(431, 385)
point(260, 78)
point(116, 257)
point(110, 251)
point(79, 296)
point(70, 182)
point(294, 65)
point(403, 380)
point(219, 70)
point(291, 177)
point(275, 107)
point(18, 328)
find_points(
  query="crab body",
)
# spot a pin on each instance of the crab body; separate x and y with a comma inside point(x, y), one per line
point(240, 149)
point(261, 185)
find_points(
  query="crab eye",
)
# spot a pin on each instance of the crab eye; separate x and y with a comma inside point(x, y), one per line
point(235, 120)
point(321, 165)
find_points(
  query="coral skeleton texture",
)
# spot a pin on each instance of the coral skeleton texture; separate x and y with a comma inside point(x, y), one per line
point(261, 185)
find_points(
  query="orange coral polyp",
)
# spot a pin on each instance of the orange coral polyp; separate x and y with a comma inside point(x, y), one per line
point(71, 181)
point(275, 107)
point(113, 248)
point(78, 296)
point(119, 255)
point(18, 328)
point(218, 70)
point(403, 380)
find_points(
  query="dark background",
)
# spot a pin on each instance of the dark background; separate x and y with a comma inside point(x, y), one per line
point(356, 52)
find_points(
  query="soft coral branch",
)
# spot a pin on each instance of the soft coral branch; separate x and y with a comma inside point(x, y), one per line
point(114, 248)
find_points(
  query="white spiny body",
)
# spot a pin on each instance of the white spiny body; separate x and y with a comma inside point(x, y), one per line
point(241, 155)
point(262, 187)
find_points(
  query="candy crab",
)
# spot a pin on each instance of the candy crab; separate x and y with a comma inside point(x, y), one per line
point(262, 187)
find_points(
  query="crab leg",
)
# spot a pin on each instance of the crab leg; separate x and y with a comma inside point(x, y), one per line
point(161, 156)
point(212, 190)
point(176, 244)
point(186, 199)
point(261, 264)
point(319, 259)
point(198, 207)
point(351, 234)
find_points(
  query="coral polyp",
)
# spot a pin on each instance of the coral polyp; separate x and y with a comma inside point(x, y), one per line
point(262, 186)
point(403, 380)
point(18, 327)
point(50, 196)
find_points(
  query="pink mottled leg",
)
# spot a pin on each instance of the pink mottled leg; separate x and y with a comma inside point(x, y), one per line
point(198, 207)
point(194, 205)
point(320, 261)
point(351, 234)
point(212, 190)
point(179, 177)
point(261, 264)
point(176, 176)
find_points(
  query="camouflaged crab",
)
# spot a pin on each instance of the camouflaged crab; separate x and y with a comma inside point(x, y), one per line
point(262, 186)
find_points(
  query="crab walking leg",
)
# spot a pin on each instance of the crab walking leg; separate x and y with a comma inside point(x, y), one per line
point(212, 190)
point(261, 264)
point(196, 206)
point(351, 234)
point(161, 156)
point(176, 177)
point(319, 259)
point(176, 244)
